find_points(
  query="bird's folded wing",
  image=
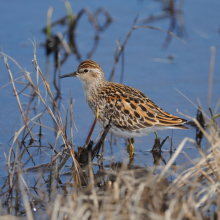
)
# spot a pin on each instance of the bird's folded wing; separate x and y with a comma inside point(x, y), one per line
point(131, 109)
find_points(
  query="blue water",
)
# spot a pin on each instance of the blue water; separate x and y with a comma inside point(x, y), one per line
point(146, 66)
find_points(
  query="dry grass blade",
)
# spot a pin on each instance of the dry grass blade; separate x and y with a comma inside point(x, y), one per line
point(160, 29)
point(26, 201)
point(173, 158)
point(49, 15)
point(211, 70)
point(15, 80)
point(71, 120)
point(16, 94)
point(93, 185)
point(199, 169)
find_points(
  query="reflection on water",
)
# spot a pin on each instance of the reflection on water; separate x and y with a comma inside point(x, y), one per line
point(45, 164)
point(172, 10)
point(46, 180)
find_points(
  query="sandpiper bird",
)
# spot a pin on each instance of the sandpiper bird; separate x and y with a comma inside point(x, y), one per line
point(132, 113)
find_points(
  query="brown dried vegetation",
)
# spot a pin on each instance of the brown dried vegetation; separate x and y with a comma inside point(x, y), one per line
point(122, 191)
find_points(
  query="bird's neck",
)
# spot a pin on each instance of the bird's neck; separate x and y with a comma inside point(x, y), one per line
point(92, 88)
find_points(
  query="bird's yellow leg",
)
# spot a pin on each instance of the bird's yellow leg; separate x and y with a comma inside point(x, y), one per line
point(130, 147)
point(103, 147)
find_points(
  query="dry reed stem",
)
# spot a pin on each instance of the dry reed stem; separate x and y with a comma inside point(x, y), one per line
point(203, 113)
point(173, 158)
point(211, 71)
point(16, 94)
point(93, 185)
point(25, 199)
point(15, 80)
point(49, 15)
point(199, 169)
point(160, 29)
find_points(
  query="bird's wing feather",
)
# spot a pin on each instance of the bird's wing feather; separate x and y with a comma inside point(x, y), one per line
point(133, 110)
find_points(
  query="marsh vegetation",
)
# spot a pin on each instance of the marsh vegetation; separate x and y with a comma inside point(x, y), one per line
point(50, 174)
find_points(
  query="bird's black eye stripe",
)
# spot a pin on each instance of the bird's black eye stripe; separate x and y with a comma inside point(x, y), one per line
point(85, 71)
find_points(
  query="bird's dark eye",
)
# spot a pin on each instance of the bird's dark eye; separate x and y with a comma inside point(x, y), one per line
point(85, 71)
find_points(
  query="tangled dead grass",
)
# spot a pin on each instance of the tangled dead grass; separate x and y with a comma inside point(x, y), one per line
point(122, 191)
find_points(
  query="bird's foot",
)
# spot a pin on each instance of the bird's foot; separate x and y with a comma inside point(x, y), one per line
point(103, 148)
point(130, 148)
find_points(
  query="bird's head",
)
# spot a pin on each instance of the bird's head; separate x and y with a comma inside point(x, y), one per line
point(88, 72)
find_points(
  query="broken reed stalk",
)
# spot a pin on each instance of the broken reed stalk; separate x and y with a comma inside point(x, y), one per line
point(95, 199)
point(49, 15)
point(211, 71)
point(69, 12)
point(25, 198)
point(101, 141)
point(93, 126)
point(71, 120)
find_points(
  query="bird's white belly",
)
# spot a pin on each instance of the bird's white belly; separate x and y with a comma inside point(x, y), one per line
point(124, 133)
point(131, 134)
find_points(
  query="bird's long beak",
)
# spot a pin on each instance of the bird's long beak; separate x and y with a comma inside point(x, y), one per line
point(69, 75)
